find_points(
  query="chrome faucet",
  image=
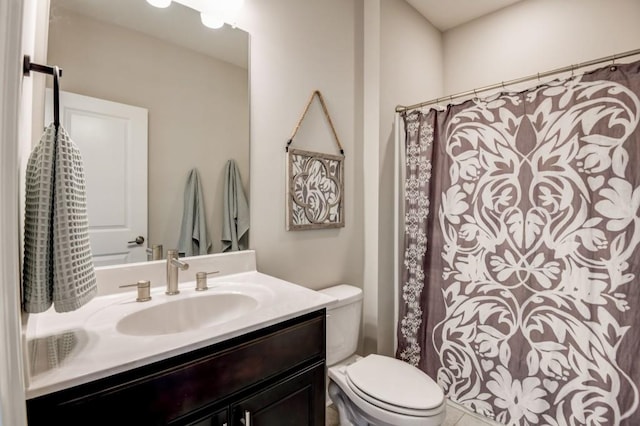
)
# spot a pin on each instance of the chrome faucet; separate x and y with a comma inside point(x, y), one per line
point(173, 264)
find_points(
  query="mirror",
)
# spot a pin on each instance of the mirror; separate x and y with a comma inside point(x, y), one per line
point(193, 83)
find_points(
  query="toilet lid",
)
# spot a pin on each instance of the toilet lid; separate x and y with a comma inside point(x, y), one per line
point(395, 382)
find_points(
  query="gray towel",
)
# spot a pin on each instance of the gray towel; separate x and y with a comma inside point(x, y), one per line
point(194, 239)
point(235, 223)
point(58, 266)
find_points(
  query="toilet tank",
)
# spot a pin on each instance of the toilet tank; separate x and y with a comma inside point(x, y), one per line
point(343, 322)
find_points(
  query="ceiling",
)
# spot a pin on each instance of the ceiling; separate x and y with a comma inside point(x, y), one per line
point(447, 14)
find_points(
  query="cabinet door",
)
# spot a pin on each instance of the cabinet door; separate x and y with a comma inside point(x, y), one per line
point(295, 401)
point(219, 418)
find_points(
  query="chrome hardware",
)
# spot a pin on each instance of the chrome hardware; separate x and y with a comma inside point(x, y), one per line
point(246, 421)
point(144, 290)
point(139, 240)
point(201, 280)
point(155, 251)
point(173, 264)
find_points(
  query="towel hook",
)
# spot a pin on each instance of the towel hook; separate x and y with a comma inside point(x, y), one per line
point(56, 72)
point(56, 97)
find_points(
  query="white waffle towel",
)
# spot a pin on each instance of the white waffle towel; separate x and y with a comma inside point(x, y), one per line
point(58, 266)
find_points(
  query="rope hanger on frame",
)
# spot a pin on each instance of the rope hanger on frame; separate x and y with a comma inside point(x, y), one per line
point(326, 114)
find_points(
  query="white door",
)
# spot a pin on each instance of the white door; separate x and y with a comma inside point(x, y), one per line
point(112, 139)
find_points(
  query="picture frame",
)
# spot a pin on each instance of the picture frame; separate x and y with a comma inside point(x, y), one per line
point(315, 190)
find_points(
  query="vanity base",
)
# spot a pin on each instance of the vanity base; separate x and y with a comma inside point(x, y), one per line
point(273, 376)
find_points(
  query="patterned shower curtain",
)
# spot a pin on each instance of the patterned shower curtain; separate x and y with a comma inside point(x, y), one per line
point(521, 286)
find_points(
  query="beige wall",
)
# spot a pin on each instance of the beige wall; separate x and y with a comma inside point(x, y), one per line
point(535, 36)
point(365, 57)
point(198, 110)
point(297, 47)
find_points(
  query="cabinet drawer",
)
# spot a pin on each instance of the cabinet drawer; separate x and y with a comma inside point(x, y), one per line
point(158, 393)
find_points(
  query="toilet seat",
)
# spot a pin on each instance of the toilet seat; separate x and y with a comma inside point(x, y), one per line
point(390, 407)
point(394, 385)
point(385, 406)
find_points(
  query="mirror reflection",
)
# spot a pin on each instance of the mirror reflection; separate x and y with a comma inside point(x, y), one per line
point(149, 96)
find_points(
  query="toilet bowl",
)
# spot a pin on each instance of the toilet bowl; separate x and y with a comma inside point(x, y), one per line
point(374, 390)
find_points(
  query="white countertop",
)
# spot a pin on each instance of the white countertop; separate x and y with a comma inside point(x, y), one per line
point(70, 349)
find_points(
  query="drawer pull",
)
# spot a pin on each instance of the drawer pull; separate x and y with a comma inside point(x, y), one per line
point(246, 421)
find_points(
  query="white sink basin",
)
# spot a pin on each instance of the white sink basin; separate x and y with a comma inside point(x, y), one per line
point(187, 314)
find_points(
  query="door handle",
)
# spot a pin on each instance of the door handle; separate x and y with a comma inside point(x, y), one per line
point(139, 240)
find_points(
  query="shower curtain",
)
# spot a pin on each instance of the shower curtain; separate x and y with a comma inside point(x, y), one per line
point(521, 289)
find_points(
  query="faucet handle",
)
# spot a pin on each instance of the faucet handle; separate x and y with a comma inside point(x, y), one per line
point(201, 280)
point(144, 290)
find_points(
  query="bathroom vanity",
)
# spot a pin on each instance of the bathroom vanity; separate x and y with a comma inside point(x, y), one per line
point(262, 366)
point(273, 376)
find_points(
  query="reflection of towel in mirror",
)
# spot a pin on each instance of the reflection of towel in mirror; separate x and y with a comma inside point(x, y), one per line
point(58, 266)
point(194, 239)
point(236, 210)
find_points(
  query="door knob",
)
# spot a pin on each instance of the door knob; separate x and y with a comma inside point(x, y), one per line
point(139, 240)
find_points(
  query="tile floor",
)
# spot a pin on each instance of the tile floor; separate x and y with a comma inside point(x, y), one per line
point(455, 417)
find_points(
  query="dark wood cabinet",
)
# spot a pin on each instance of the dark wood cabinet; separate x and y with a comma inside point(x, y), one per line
point(287, 403)
point(219, 418)
point(275, 374)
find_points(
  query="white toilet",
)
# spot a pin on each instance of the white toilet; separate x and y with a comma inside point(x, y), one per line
point(374, 390)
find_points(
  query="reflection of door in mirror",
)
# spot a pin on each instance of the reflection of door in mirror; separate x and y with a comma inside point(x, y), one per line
point(112, 138)
point(192, 80)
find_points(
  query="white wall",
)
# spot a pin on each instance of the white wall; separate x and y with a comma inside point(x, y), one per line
point(536, 36)
point(16, 39)
point(297, 47)
point(370, 156)
point(410, 72)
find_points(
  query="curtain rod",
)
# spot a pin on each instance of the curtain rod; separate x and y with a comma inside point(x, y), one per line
point(572, 68)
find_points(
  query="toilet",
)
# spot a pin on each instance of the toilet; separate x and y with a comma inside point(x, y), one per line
point(375, 390)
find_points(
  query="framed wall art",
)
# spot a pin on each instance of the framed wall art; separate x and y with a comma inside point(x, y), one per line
point(315, 183)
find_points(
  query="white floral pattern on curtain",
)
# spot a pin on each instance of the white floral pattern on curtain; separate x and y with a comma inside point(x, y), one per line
point(521, 286)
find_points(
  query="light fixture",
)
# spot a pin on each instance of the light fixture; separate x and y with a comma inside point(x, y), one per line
point(213, 13)
point(216, 12)
point(159, 3)
point(211, 20)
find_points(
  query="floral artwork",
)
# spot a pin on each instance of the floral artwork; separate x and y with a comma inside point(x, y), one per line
point(530, 253)
point(315, 190)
